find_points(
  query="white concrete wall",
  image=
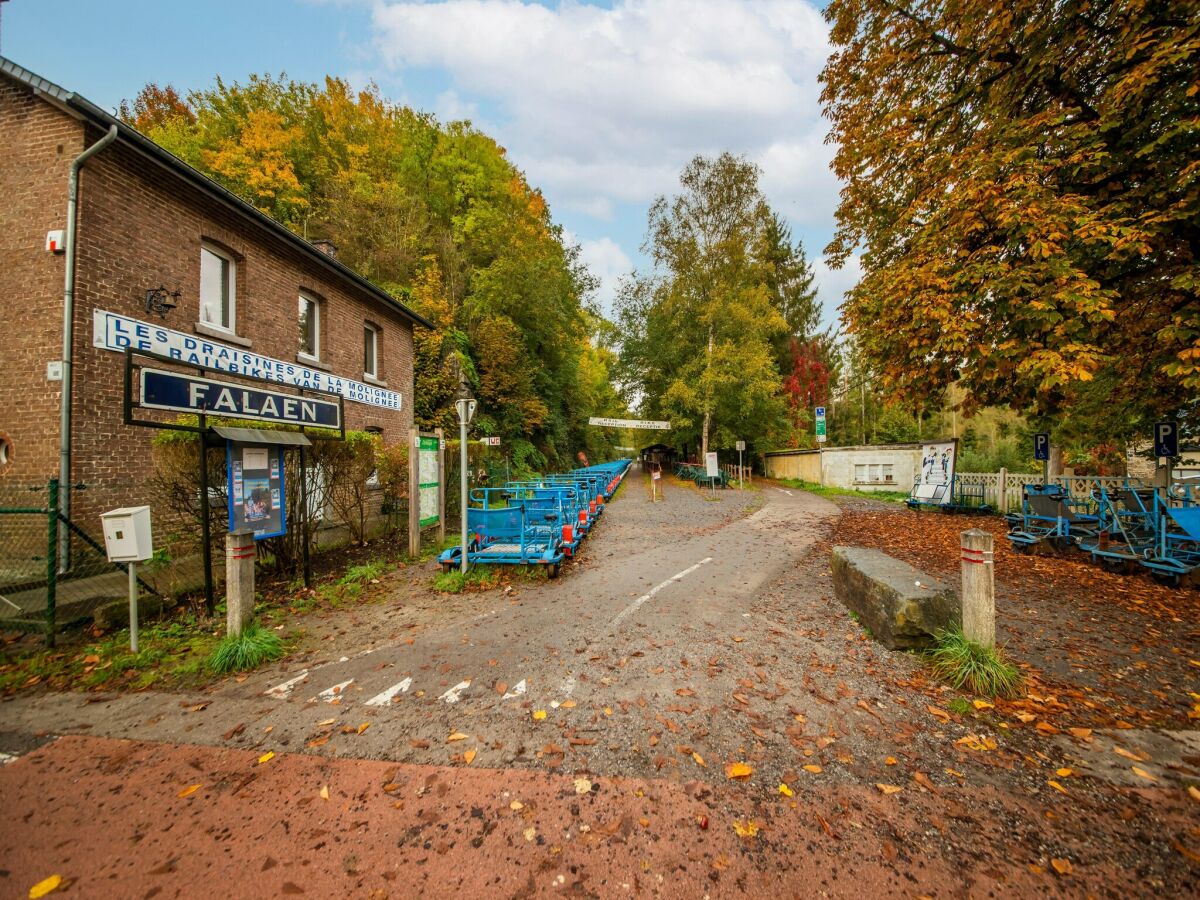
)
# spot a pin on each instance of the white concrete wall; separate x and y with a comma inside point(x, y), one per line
point(838, 466)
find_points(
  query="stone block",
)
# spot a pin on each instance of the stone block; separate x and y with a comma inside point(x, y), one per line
point(902, 606)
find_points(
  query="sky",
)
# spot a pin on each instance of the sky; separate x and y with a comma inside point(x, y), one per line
point(599, 104)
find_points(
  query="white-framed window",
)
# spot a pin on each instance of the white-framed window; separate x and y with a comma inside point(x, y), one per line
point(218, 288)
point(874, 473)
point(371, 350)
point(310, 327)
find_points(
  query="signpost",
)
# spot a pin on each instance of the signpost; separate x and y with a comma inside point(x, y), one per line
point(712, 469)
point(1166, 444)
point(466, 411)
point(820, 424)
point(741, 446)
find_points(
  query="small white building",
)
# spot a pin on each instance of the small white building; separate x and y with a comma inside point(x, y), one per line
point(877, 467)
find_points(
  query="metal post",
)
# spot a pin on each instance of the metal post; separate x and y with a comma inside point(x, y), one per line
point(210, 603)
point(978, 586)
point(51, 559)
point(133, 612)
point(462, 441)
point(741, 474)
point(441, 533)
point(414, 493)
point(304, 517)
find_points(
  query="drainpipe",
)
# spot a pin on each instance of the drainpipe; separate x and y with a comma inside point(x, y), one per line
point(64, 426)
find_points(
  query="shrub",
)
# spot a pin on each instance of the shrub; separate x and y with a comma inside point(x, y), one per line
point(963, 663)
point(248, 650)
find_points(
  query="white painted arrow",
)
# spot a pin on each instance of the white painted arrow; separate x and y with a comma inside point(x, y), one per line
point(282, 690)
point(518, 689)
point(333, 693)
point(455, 693)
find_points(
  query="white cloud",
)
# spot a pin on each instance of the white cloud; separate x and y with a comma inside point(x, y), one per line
point(608, 262)
point(612, 102)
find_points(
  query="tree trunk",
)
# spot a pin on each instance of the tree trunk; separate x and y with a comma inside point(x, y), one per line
point(707, 397)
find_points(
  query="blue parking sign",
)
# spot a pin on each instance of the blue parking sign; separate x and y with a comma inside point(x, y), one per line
point(1041, 446)
point(1166, 438)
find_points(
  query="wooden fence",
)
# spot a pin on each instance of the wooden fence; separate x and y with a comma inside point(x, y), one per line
point(1003, 489)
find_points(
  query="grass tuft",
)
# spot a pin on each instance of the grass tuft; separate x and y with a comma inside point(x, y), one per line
point(366, 572)
point(965, 664)
point(478, 578)
point(248, 650)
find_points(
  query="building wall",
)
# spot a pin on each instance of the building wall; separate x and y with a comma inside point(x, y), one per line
point(802, 465)
point(140, 227)
point(838, 465)
point(37, 144)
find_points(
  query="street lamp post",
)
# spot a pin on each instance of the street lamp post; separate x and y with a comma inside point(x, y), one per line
point(466, 411)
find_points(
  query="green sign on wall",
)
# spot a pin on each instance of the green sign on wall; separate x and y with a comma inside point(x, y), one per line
point(428, 480)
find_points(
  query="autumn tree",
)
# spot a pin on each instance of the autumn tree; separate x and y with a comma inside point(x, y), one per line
point(701, 325)
point(1022, 182)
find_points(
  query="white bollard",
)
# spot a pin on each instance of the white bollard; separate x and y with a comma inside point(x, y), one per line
point(978, 587)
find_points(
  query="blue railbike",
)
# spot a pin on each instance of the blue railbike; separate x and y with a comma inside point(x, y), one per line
point(1049, 516)
point(1176, 552)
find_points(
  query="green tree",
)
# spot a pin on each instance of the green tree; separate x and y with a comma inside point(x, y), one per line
point(1022, 183)
point(701, 326)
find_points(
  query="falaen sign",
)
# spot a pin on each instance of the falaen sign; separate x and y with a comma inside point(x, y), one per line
point(188, 393)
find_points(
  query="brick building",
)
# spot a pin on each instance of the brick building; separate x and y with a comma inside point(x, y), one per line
point(252, 296)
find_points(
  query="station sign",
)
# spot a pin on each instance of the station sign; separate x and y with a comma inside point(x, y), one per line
point(630, 423)
point(192, 394)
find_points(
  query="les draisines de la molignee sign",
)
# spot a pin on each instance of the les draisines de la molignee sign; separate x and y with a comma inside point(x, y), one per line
point(188, 393)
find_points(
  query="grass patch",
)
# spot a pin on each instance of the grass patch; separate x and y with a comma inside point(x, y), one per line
point(964, 664)
point(368, 571)
point(823, 491)
point(248, 650)
point(479, 578)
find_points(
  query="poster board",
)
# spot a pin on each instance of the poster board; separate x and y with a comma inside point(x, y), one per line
point(935, 477)
point(428, 480)
point(712, 468)
point(256, 489)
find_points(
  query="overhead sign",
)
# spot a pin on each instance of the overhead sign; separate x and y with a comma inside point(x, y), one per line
point(111, 331)
point(1166, 438)
point(192, 394)
point(1041, 446)
point(629, 423)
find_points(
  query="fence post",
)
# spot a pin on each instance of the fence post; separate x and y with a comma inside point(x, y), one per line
point(51, 558)
point(978, 587)
point(1003, 495)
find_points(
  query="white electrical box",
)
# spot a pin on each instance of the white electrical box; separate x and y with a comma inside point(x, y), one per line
point(54, 242)
point(127, 536)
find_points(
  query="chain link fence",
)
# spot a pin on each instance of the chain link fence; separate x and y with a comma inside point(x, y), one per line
point(52, 573)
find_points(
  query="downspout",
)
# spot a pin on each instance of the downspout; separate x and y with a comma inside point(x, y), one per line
point(64, 425)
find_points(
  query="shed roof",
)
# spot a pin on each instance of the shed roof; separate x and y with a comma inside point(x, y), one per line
point(83, 109)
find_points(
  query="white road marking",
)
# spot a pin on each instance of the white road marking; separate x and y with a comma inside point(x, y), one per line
point(640, 601)
point(333, 693)
point(518, 689)
point(789, 493)
point(282, 690)
point(385, 698)
point(455, 693)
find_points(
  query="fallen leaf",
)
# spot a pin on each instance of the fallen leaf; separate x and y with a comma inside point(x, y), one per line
point(608, 710)
point(812, 767)
point(1046, 728)
point(1063, 773)
point(1142, 773)
point(324, 792)
point(92, 659)
point(685, 692)
point(469, 756)
point(1062, 866)
point(363, 727)
point(786, 791)
point(699, 759)
point(938, 713)
point(738, 770)
point(923, 780)
point(266, 757)
point(983, 704)
point(568, 704)
point(539, 715)
point(1025, 717)
point(1121, 751)
point(516, 806)
point(326, 721)
point(45, 886)
point(737, 640)
point(188, 791)
point(583, 785)
point(1084, 734)
point(890, 761)
point(530, 833)
point(457, 736)
point(975, 742)
point(955, 773)
point(746, 828)
point(501, 687)
point(1058, 787)
point(1194, 792)
point(888, 788)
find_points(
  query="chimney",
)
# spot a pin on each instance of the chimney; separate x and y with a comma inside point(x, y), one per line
point(326, 246)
